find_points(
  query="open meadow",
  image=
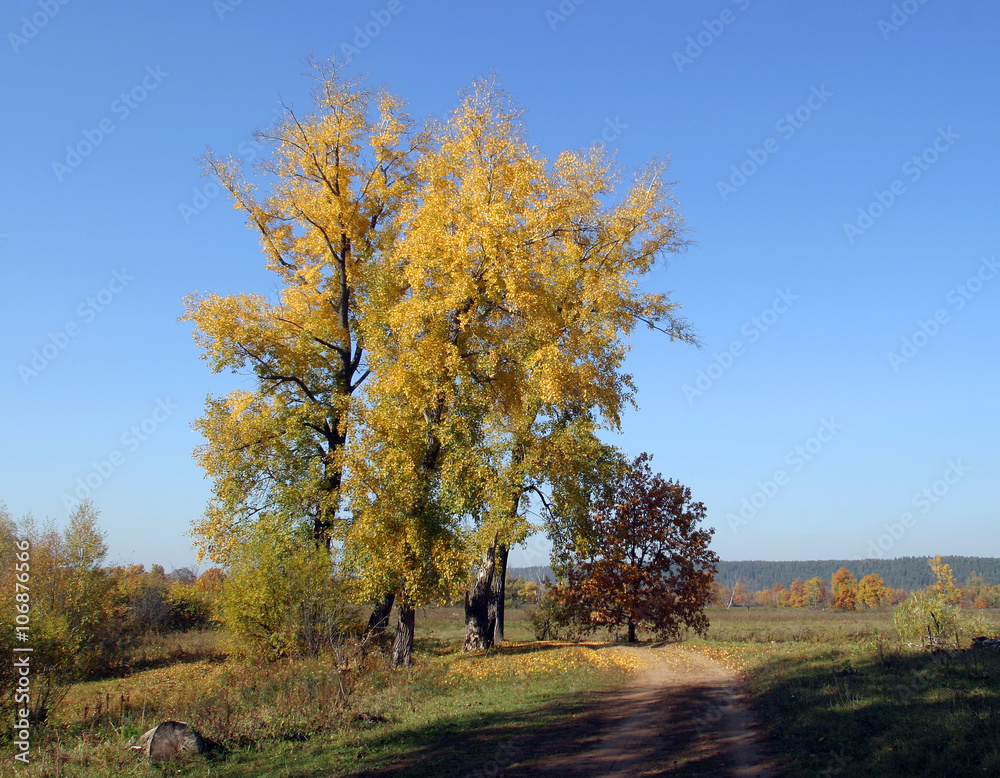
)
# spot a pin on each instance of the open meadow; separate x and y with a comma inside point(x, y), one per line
point(839, 694)
point(836, 694)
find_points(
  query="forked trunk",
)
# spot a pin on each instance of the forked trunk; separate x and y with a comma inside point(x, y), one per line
point(478, 624)
point(499, 593)
point(402, 644)
point(379, 620)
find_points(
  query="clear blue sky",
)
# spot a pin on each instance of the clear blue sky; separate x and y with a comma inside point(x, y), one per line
point(837, 166)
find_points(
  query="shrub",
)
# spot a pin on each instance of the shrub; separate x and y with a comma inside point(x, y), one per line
point(76, 605)
point(929, 619)
point(558, 616)
point(282, 599)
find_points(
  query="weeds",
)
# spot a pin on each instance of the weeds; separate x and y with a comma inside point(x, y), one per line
point(855, 699)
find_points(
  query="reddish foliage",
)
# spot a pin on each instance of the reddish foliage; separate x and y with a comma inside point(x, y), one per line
point(647, 564)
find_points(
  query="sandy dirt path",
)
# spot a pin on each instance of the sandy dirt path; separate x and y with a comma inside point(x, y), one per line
point(684, 716)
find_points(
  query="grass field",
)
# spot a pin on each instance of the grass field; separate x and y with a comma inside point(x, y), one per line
point(303, 718)
point(837, 693)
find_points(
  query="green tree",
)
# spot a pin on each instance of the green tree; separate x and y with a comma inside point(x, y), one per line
point(281, 598)
point(932, 620)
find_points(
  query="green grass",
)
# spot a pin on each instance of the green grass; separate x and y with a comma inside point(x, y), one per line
point(836, 692)
point(302, 718)
point(839, 695)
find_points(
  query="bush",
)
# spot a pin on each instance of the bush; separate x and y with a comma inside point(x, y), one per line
point(929, 619)
point(558, 616)
point(282, 599)
point(76, 605)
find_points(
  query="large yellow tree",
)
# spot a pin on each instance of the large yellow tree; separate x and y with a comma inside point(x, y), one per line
point(275, 452)
point(450, 331)
point(518, 286)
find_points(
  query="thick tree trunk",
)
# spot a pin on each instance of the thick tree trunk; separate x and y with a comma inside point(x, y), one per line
point(478, 625)
point(379, 620)
point(499, 593)
point(402, 645)
point(631, 631)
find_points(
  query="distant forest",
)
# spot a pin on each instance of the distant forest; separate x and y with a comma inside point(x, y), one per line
point(908, 572)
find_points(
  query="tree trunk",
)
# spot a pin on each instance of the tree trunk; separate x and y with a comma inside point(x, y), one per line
point(402, 644)
point(478, 624)
point(631, 631)
point(499, 593)
point(379, 620)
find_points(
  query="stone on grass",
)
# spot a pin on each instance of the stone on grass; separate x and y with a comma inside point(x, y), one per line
point(169, 740)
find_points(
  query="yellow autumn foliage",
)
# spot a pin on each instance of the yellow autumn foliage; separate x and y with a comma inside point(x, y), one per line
point(450, 329)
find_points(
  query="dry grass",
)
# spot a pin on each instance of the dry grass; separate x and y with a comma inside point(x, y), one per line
point(310, 711)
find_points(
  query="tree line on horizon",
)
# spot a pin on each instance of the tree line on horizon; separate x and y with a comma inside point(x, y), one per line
point(846, 592)
point(909, 573)
point(760, 582)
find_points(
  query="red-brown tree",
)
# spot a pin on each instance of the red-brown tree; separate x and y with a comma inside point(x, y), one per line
point(646, 563)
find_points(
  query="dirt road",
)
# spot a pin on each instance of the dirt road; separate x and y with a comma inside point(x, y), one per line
point(684, 716)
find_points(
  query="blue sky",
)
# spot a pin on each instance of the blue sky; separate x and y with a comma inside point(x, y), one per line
point(836, 165)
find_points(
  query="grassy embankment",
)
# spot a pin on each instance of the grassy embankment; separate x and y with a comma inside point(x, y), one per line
point(835, 691)
point(839, 695)
point(446, 716)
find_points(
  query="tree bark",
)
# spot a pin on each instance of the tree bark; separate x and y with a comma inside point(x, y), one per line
point(631, 631)
point(402, 644)
point(478, 624)
point(499, 593)
point(379, 620)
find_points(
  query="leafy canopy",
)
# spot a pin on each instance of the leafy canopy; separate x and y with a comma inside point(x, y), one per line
point(645, 563)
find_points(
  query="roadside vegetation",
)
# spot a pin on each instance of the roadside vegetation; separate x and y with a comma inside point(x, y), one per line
point(449, 713)
point(837, 693)
point(842, 693)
